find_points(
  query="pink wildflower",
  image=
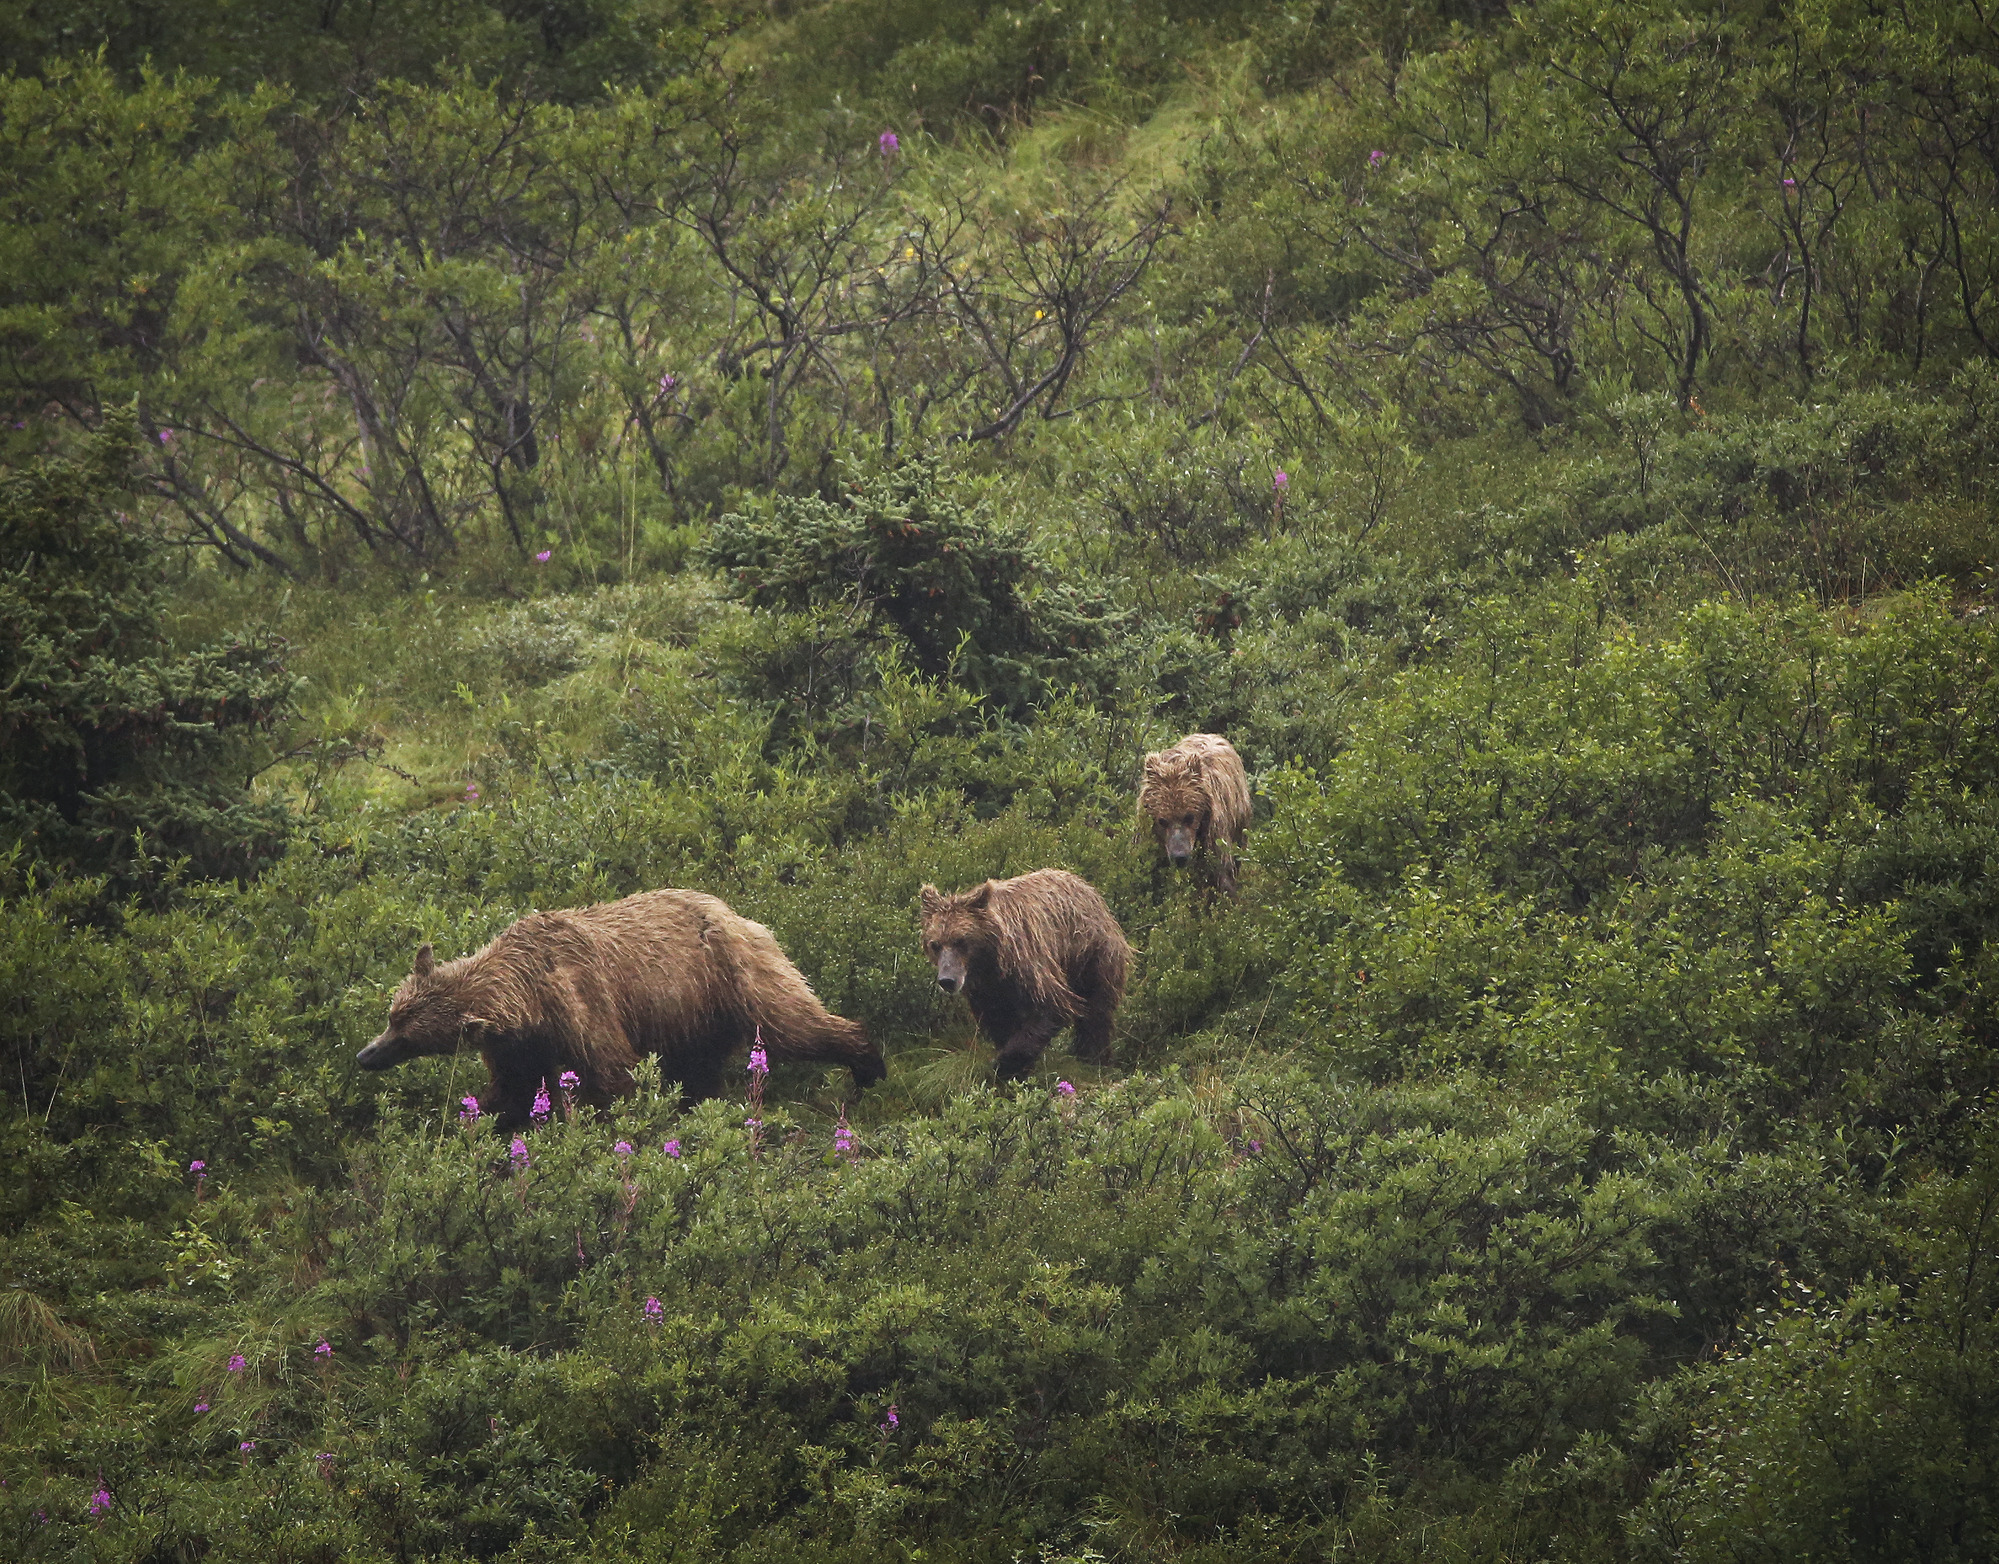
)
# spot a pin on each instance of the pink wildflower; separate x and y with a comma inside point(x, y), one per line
point(671, 1148)
point(542, 557)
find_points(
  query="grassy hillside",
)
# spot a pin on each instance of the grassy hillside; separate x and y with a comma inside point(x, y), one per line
point(478, 461)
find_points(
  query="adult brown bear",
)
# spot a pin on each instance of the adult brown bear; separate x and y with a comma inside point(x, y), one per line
point(1031, 955)
point(671, 973)
point(1197, 797)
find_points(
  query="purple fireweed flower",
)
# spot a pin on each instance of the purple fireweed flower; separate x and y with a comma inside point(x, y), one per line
point(325, 1460)
point(100, 1503)
point(1064, 1089)
point(1281, 482)
point(166, 437)
point(653, 1309)
point(889, 143)
point(759, 1061)
point(1376, 158)
point(472, 792)
point(518, 1151)
point(197, 1166)
point(540, 1110)
point(1256, 1145)
point(753, 1124)
point(890, 1423)
point(671, 1148)
point(569, 1080)
point(623, 1148)
point(666, 384)
point(324, 1351)
point(200, 1407)
point(247, 1446)
point(236, 1363)
point(468, 1109)
point(542, 557)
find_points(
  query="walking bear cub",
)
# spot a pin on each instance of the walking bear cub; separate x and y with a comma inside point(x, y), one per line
point(1197, 796)
point(1031, 955)
point(672, 973)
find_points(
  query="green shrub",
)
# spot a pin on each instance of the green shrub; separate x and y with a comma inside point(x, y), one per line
point(117, 755)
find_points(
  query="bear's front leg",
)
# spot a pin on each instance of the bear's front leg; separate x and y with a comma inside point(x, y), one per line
point(1020, 1051)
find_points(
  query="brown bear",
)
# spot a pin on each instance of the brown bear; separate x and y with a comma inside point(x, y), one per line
point(1197, 797)
point(672, 973)
point(1030, 956)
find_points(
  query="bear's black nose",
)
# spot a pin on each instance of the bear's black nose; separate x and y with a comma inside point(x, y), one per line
point(1180, 860)
point(949, 985)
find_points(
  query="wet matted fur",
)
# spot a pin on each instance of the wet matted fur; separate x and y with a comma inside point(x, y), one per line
point(1031, 955)
point(1196, 795)
point(674, 974)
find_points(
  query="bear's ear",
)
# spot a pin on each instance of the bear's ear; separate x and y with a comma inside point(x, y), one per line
point(1155, 766)
point(978, 899)
point(425, 964)
point(932, 899)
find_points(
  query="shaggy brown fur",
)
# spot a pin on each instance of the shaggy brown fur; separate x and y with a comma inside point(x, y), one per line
point(1197, 797)
point(671, 973)
point(1031, 955)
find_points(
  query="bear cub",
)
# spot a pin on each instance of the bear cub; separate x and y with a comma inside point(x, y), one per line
point(671, 973)
point(1031, 955)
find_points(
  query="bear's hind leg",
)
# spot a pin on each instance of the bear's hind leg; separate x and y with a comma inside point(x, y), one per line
point(1093, 1033)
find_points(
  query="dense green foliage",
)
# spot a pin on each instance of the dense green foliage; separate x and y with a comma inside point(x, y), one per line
point(114, 753)
point(474, 459)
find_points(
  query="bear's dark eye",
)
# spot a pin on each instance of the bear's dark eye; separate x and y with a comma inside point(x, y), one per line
point(1186, 819)
point(935, 947)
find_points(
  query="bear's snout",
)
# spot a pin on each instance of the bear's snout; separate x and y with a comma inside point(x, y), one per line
point(1179, 846)
point(379, 1054)
point(950, 971)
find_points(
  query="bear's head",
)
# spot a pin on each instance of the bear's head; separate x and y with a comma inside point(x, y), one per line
point(1178, 805)
point(957, 931)
point(427, 1016)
